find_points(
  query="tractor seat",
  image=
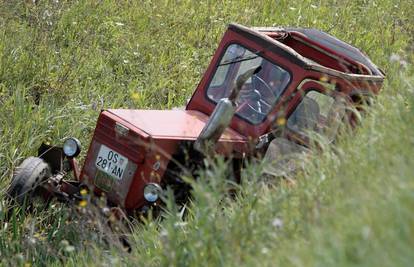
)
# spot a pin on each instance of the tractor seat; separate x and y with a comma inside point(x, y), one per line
point(305, 116)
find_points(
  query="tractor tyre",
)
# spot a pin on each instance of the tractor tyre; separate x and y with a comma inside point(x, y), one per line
point(26, 178)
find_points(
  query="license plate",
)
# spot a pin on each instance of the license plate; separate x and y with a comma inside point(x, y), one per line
point(111, 162)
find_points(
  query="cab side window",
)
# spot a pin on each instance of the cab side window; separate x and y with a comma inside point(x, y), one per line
point(317, 113)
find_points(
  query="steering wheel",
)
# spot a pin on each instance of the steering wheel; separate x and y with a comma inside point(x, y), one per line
point(252, 105)
point(255, 100)
point(257, 83)
point(252, 99)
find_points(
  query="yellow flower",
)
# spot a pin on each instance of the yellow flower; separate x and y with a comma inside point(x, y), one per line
point(38, 236)
point(281, 121)
point(324, 78)
point(83, 203)
point(135, 96)
point(83, 192)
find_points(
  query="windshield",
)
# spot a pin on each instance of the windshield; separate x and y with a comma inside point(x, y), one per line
point(260, 92)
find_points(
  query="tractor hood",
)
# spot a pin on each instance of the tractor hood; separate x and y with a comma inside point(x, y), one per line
point(171, 124)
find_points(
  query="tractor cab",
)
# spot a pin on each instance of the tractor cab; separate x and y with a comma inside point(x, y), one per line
point(300, 69)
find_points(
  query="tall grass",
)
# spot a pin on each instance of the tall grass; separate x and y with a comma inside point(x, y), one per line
point(62, 61)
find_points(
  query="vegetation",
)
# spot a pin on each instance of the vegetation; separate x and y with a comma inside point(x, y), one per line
point(62, 61)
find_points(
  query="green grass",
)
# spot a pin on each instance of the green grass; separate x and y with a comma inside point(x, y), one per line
point(351, 207)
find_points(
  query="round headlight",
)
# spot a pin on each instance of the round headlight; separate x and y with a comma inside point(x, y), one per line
point(152, 192)
point(71, 147)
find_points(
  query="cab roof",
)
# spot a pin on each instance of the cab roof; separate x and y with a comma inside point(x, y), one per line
point(272, 38)
point(336, 45)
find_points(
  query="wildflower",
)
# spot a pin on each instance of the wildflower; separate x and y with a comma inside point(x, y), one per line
point(83, 192)
point(83, 203)
point(324, 78)
point(265, 250)
point(180, 224)
point(38, 236)
point(398, 59)
point(395, 58)
point(106, 211)
point(32, 241)
point(69, 248)
point(281, 121)
point(277, 222)
point(135, 96)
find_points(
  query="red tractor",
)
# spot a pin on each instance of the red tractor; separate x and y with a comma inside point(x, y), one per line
point(265, 92)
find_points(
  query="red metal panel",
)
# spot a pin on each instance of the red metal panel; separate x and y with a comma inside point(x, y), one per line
point(355, 64)
point(152, 170)
point(172, 124)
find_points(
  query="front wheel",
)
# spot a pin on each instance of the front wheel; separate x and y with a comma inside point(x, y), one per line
point(27, 177)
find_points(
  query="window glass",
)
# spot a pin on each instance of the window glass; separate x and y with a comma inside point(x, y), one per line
point(317, 113)
point(220, 76)
point(259, 94)
point(248, 64)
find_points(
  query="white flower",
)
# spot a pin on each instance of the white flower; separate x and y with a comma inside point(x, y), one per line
point(277, 222)
point(395, 58)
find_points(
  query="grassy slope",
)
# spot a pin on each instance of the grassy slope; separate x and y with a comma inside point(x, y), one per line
point(351, 207)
